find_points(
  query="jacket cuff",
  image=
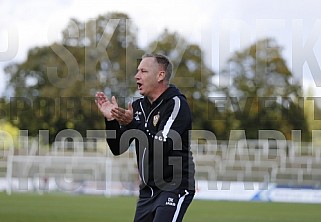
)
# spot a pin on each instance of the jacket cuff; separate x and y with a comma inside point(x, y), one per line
point(132, 125)
point(112, 124)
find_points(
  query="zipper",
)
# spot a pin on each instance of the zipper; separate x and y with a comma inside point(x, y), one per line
point(146, 119)
point(144, 153)
point(143, 174)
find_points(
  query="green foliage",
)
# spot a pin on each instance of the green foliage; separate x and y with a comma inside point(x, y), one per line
point(54, 87)
point(191, 75)
point(261, 94)
point(57, 83)
point(312, 113)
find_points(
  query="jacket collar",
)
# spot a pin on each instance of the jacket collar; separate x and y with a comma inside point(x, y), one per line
point(169, 93)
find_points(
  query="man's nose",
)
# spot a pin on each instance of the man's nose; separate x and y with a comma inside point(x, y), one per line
point(137, 75)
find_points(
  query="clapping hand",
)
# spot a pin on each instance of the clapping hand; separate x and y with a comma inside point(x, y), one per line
point(111, 110)
point(105, 105)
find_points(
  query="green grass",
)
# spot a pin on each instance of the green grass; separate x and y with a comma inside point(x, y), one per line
point(68, 208)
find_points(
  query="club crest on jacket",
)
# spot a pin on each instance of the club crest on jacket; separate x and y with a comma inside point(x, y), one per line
point(156, 119)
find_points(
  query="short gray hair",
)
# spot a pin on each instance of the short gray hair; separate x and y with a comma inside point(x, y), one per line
point(164, 62)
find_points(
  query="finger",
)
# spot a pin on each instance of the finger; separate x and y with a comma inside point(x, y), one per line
point(100, 96)
point(100, 101)
point(97, 99)
point(114, 101)
point(120, 110)
point(117, 113)
point(97, 96)
point(130, 107)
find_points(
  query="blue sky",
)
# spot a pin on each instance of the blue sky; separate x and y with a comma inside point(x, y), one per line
point(219, 26)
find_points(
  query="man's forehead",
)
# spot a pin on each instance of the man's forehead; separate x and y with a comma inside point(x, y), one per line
point(146, 62)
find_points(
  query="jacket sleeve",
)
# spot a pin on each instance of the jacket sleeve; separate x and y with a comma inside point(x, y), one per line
point(114, 135)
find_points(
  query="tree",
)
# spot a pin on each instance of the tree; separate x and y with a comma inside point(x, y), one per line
point(111, 52)
point(54, 88)
point(56, 84)
point(191, 74)
point(261, 94)
point(312, 113)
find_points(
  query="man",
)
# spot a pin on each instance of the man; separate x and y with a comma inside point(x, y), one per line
point(159, 123)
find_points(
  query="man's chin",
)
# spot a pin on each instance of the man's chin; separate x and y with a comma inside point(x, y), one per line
point(141, 92)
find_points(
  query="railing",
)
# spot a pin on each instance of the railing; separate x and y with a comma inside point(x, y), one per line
point(73, 170)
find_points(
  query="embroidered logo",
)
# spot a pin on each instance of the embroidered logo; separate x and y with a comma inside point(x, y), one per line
point(137, 115)
point(156, 119)
point(170, 201)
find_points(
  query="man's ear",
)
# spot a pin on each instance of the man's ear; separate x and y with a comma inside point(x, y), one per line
point(161, 76)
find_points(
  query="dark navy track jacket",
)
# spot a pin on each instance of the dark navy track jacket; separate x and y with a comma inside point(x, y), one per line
point(161, 134)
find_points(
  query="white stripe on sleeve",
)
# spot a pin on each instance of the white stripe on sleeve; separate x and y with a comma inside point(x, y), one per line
point(171, 119)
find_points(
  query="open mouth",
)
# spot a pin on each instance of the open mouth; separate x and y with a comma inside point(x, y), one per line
point(139, 86)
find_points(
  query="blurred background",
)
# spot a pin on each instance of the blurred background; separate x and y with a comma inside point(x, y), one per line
point(249, 69)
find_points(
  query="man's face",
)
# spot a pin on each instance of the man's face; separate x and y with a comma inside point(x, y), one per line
point(147, 76)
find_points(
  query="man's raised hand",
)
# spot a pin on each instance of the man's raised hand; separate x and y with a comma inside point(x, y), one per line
point(105, 105)
point(123, 116)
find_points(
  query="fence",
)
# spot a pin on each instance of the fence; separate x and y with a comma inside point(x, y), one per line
point(96, 171)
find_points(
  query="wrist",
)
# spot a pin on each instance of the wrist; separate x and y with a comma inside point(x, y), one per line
point(132, 125)
point(110, 119)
